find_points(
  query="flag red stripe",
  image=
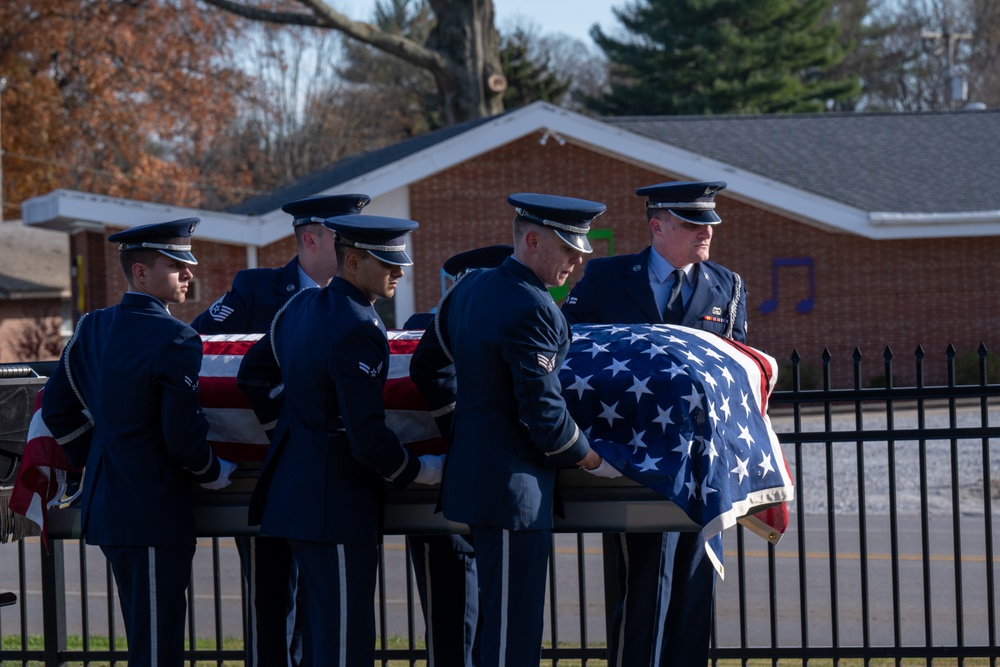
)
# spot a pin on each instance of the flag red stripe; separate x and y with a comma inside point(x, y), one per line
point(402, 394)
point(221, 392)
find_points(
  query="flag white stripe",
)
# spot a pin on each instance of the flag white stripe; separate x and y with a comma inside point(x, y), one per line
point(399, 366)
point(234, 425)
point(411, 425)
point(220, 365)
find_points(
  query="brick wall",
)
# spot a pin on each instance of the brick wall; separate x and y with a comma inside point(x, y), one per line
point(101, 286)
point(217, 264)
point(868, 294)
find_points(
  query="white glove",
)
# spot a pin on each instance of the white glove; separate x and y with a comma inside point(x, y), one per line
point(604, 470)
point(226, 469)
point(431, 469)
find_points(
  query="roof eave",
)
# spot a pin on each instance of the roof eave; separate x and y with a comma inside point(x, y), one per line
point(61, 208)
point(65, 210)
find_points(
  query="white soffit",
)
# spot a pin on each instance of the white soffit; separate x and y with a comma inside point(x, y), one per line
point(63, 209)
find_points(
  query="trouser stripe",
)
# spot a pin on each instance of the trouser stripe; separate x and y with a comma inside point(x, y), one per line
point(504, 595)
point(342, 562)
point(152, 608)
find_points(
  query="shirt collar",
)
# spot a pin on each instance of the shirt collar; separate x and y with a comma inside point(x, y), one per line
point(661, 269)
point(304, 279)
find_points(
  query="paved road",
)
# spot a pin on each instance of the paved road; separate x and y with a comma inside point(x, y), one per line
point(819, 601)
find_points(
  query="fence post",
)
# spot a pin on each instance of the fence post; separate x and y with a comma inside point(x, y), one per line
point(612, 591)
point(53, 603)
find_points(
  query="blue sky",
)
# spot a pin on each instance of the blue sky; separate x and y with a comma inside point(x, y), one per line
point(572, 17)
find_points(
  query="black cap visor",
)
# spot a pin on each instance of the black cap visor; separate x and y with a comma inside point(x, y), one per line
point(576, 241)
point(397, 257)
point(696, 217)
point(178, 251)
point(181, 256)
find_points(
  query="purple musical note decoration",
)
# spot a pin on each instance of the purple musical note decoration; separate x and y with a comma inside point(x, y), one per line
point(803, 306)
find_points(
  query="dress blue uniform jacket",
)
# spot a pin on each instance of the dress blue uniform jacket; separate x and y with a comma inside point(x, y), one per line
point(249, 307)
point(511, 430)
point(330, 450)
point(615, 290)
point(136, 369)
point(250, 304)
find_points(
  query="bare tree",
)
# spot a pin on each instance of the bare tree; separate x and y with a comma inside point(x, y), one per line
point(462, 52)
point(984, 60)
point(919, 46)
point(299, 115)
point(586, 68)
point(38, 337)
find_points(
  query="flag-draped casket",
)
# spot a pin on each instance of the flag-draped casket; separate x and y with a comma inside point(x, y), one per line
point(676, 410)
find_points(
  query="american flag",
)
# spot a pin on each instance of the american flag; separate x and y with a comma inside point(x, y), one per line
point(42, 475)
point(236, 435)
point(683, 412)
point(636, 390)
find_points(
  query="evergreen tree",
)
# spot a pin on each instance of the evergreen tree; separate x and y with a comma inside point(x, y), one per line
point(722, 56)
point(530, 76)
point(408, 92)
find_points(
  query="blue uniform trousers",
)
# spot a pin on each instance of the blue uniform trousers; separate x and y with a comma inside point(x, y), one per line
point(152, 587)
point(513, 566)
point(337, 590)
point(273, 632)
point(664, 613)
point(448, 586)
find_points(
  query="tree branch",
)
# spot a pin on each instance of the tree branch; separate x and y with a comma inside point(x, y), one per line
point(264, 15)
point(324, 16)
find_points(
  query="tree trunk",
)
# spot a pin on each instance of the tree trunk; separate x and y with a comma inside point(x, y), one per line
point(472, 84)
point(462, 52)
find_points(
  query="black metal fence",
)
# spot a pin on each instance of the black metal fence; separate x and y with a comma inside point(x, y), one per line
point(889, 552)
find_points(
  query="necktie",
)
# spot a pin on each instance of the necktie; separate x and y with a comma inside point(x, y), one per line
point(674, 311)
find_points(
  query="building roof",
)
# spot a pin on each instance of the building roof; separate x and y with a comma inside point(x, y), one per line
point(880, 176)
point(34, 263)
point(348, 168)
point(902, 162)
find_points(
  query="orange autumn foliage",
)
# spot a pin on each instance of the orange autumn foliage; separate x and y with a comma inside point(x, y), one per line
point(116, 97)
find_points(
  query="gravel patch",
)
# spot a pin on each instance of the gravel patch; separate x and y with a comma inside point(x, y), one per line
point(963, 475)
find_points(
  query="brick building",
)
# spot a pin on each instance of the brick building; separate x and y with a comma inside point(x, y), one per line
point(851, 230)
point(34, 293)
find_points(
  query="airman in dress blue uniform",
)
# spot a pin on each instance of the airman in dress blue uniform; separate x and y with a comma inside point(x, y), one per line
point(490, 373)
point(124, 403)
point(445, 565)
point(257, 294)
point(316, 378)
point(667, 582)
point(273, 620)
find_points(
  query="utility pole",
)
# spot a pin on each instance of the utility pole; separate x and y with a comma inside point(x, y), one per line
point(950, 39)
point(3, 87)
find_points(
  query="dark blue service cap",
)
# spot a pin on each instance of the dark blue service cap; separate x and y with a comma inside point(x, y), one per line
point(480, 258)
point(315, 210)
point(691, 202)
point(165, 237)
point(568, 217)
point(383, 237)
